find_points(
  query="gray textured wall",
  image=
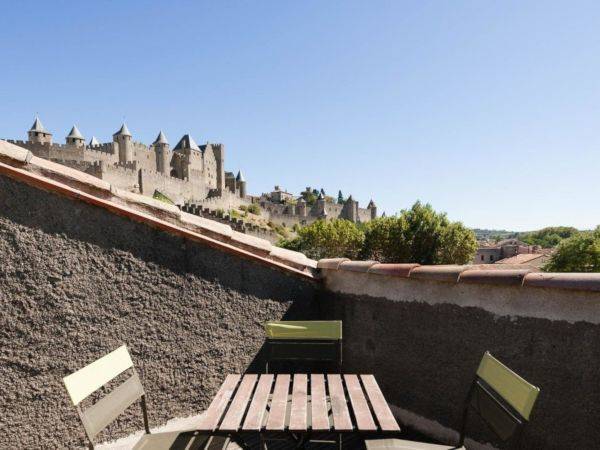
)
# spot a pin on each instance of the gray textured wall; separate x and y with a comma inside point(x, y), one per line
point(77, 281)
point(423, 340)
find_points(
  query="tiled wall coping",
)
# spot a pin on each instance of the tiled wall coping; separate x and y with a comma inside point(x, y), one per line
point(470, 274)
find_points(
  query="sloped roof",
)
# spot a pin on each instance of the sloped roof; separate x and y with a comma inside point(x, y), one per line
point(371, 204)
point(123, 131)
point(74, 133)
point(93, 142)
point(187, 142)
point(240, 176)
point(525, 258)
point(161, 139)
point(38, 126)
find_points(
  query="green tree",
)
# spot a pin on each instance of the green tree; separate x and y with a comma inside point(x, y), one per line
point(548, 237)
point(340, 198)
point(309, 197)
point(327, 239)
point(457, 245)
point(253, 208)
point(419, 235)
point(579, 253)
point(386, 240)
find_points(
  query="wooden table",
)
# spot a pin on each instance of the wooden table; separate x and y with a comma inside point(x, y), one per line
point(300, 405)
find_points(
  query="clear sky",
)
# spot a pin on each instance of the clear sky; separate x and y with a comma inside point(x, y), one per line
point(489, 111)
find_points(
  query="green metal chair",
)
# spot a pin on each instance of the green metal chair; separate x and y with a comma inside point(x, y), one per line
point(305, 341)
point(499, 396)
point(317, 340)
point(86, 381)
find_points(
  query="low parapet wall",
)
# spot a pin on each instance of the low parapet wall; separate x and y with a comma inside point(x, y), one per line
point(81, 275)
point(423, 329)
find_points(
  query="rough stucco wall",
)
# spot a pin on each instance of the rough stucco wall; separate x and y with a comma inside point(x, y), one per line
point(425, 354)
point(76, 282)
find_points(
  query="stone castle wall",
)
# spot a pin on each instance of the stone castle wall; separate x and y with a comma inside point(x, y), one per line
point(226, 201)
point(288, 215)
point(190, 177)
point(176, 189)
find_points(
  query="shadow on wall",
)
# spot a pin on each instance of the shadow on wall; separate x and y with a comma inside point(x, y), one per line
point(53, 214)
point(425, 357)
point(76, 282)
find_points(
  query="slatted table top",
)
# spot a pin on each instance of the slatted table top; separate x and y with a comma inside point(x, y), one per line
point(299, 403)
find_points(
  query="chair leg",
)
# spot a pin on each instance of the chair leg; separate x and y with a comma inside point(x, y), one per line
point(145, 413)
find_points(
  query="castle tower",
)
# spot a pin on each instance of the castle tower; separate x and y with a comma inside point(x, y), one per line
point(371, 206)
point(350, 210)
point(219, 152)
point(122, 138)
point(241, 182)
point(321, 211)
point(93, 142)
point(163, 156)
point(301, 207)
point(38, 134)
point(75, 137)
point(185, 146)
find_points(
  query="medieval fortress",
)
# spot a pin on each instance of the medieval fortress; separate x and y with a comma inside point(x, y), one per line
point(192, 176)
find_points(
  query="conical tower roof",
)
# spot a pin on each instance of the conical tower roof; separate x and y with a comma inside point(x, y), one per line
point(187, 142)
point(38, 126)
point(161, 139)
point(93, 142)
point(75, 133)
point(240, 176)
point(371, 204)
point(123, 131)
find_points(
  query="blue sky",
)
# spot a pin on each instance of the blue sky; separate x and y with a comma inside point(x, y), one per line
point(489, 111)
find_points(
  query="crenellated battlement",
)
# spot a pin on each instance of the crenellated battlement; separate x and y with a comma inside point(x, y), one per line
point(106, 147)
point(129, 166)
point(134, 166)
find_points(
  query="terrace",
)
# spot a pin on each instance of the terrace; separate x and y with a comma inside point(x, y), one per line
point(87, 267)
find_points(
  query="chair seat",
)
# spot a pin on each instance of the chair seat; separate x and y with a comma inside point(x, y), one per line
point(175, 440)
point(401, 444)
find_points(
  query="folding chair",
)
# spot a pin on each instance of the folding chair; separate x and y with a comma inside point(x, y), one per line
point(502, 398)
point(84, 382)
point(317, 340)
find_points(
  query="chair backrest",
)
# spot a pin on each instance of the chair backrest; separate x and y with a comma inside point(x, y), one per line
point(85, 381)
point(317, 340)
point(502, 398)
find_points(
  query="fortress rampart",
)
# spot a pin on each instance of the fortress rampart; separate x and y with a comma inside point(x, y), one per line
point(187, 173)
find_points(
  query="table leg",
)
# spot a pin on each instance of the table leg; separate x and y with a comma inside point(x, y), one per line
point(263, 442)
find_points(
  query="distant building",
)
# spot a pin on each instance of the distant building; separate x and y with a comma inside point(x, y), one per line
point(283, 208)
point(504, 249)
point(279, 195)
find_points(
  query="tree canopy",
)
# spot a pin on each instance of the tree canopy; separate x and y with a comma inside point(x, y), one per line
point(419, 234)
point(327, 239)
point(578, 253)
point(548, 237)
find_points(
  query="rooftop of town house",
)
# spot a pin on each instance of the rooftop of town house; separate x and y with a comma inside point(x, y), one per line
point(103, 266)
